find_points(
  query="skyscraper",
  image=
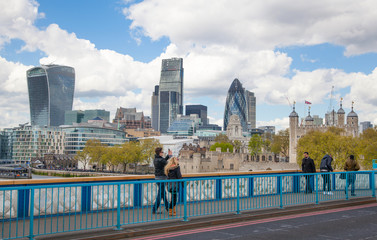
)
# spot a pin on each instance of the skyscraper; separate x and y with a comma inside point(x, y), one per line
point(239, 102)
point(51, 90)
point(155, 108)
point(251, 109)
point(170, 92)
point(201, 110)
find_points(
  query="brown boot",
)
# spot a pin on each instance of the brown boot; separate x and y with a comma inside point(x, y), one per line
point(170, 212)
point(174, 212)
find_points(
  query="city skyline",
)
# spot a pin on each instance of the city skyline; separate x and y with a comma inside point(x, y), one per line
point(116, 48)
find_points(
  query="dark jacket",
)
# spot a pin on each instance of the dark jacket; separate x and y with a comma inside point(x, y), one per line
point(159, 165)
point(352, 165)
point(326, 164)
point(174, 172)
point(308, 165)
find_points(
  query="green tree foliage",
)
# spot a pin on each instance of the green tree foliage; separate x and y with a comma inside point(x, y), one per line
point(368, 147)
point(280, 143)
point(148, 147)
point(95, 149)
point(330, 142)
point(237, 145)
point(223, 145)
point(255, 145)
point(83, 157)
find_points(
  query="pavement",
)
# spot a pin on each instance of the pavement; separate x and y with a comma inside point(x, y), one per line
point(172, 225)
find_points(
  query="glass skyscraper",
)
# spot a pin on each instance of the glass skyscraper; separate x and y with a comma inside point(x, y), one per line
point(155, 108)
point(251, 109)
point(170, 92)
point(51, 90)
point(236, 104)
point(201, 110)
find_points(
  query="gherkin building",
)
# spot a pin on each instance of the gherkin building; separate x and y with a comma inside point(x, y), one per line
point(236, 104)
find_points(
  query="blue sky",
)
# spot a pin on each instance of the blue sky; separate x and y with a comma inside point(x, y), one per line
point(283, 51)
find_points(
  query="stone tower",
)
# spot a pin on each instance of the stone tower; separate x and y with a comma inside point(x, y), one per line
point(293, 125)
point(353, 122)
point(341, 114)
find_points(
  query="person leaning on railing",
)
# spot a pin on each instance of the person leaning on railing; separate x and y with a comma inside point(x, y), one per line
point(173, 171)
point(326, 167)
point(308, 167)
point(351, 165)
point(159, 164)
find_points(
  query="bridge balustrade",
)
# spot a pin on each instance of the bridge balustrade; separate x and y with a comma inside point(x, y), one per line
point(31, 209)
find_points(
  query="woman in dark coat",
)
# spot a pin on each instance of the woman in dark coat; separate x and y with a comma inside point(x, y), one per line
point(173, 171)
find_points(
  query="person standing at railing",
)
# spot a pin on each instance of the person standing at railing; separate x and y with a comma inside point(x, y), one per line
point(325, 167)
point(173, 171)
point(159, 164)
point(308, 167)
point(351, 165)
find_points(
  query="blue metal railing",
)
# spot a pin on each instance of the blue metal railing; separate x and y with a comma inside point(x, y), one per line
point(34, 210)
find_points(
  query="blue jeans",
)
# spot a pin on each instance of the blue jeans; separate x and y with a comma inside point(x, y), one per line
point(161, 194)
point(326, 182)
point(351, 181)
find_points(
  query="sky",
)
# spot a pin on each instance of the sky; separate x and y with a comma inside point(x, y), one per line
point(284, 51)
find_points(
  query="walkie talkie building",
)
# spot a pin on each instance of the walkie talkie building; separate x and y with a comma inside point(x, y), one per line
point(51, 89)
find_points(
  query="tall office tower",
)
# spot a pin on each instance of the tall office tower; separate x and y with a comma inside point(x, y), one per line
point(170, 92)
point(198, 109)
point(236, 104)
point(155, 108)
point(251, 109)
point(51, 90)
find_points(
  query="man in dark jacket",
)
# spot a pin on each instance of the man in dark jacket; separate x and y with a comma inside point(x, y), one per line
point(159, 165)
point(308, 167)
point(325, 167)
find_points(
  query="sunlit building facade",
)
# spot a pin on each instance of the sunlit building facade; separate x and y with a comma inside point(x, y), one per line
point(170, 92)
point(236, 104)
point(51, 89)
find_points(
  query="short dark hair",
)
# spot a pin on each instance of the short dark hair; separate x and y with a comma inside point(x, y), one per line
point(352, 157)
point(306, 153)
point(158, 150)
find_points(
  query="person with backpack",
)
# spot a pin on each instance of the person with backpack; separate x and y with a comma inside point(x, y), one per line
point(351, 165)
point(325, 168)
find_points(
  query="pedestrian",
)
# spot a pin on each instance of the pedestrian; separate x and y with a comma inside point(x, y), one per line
point(173, 171)
point(308, 167)
point(325, 168)
point(159, 164)
point(351, 165)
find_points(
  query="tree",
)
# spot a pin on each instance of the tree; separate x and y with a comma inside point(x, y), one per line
point(330, 142)
point(94, 148)
point(222, 138)
point(225, 147)
point(280, 143)
point(83, 157)
point(255, 145)
point(148, 149)
point(237, 145)
point(367, 147)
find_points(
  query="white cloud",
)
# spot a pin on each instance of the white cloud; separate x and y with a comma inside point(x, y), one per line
point(218, 41)
point(279, 123)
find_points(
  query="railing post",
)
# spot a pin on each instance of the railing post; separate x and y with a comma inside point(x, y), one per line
point(238, 195)
point(346, 186)
point(118, 209)
point(138, 193)
point(373, 185)
point(218, 189)
point(316, 186)
point(185, 201)
point(23, 203)
point(280, 180)
point(85, 198)
point(31, 214)
point(251, 186)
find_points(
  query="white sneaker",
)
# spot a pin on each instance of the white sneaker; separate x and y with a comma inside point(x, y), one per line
point(329, 193)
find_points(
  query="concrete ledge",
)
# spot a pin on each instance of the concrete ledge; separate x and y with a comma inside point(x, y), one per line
point(145, 229)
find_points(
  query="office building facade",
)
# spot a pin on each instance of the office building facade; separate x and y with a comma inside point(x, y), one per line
point(251, 109)
point(170, 92)
point(78, 116)
point(51, 89)
point(201, 110)
point(236, 104)
point(155, 108)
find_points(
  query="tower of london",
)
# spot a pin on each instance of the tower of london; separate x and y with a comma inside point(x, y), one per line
point(333, 119)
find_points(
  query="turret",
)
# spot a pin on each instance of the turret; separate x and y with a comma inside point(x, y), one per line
point(309, 120)
point(353, 122)
point(341, 114)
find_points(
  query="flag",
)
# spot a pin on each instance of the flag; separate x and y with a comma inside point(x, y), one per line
point(306, 102)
